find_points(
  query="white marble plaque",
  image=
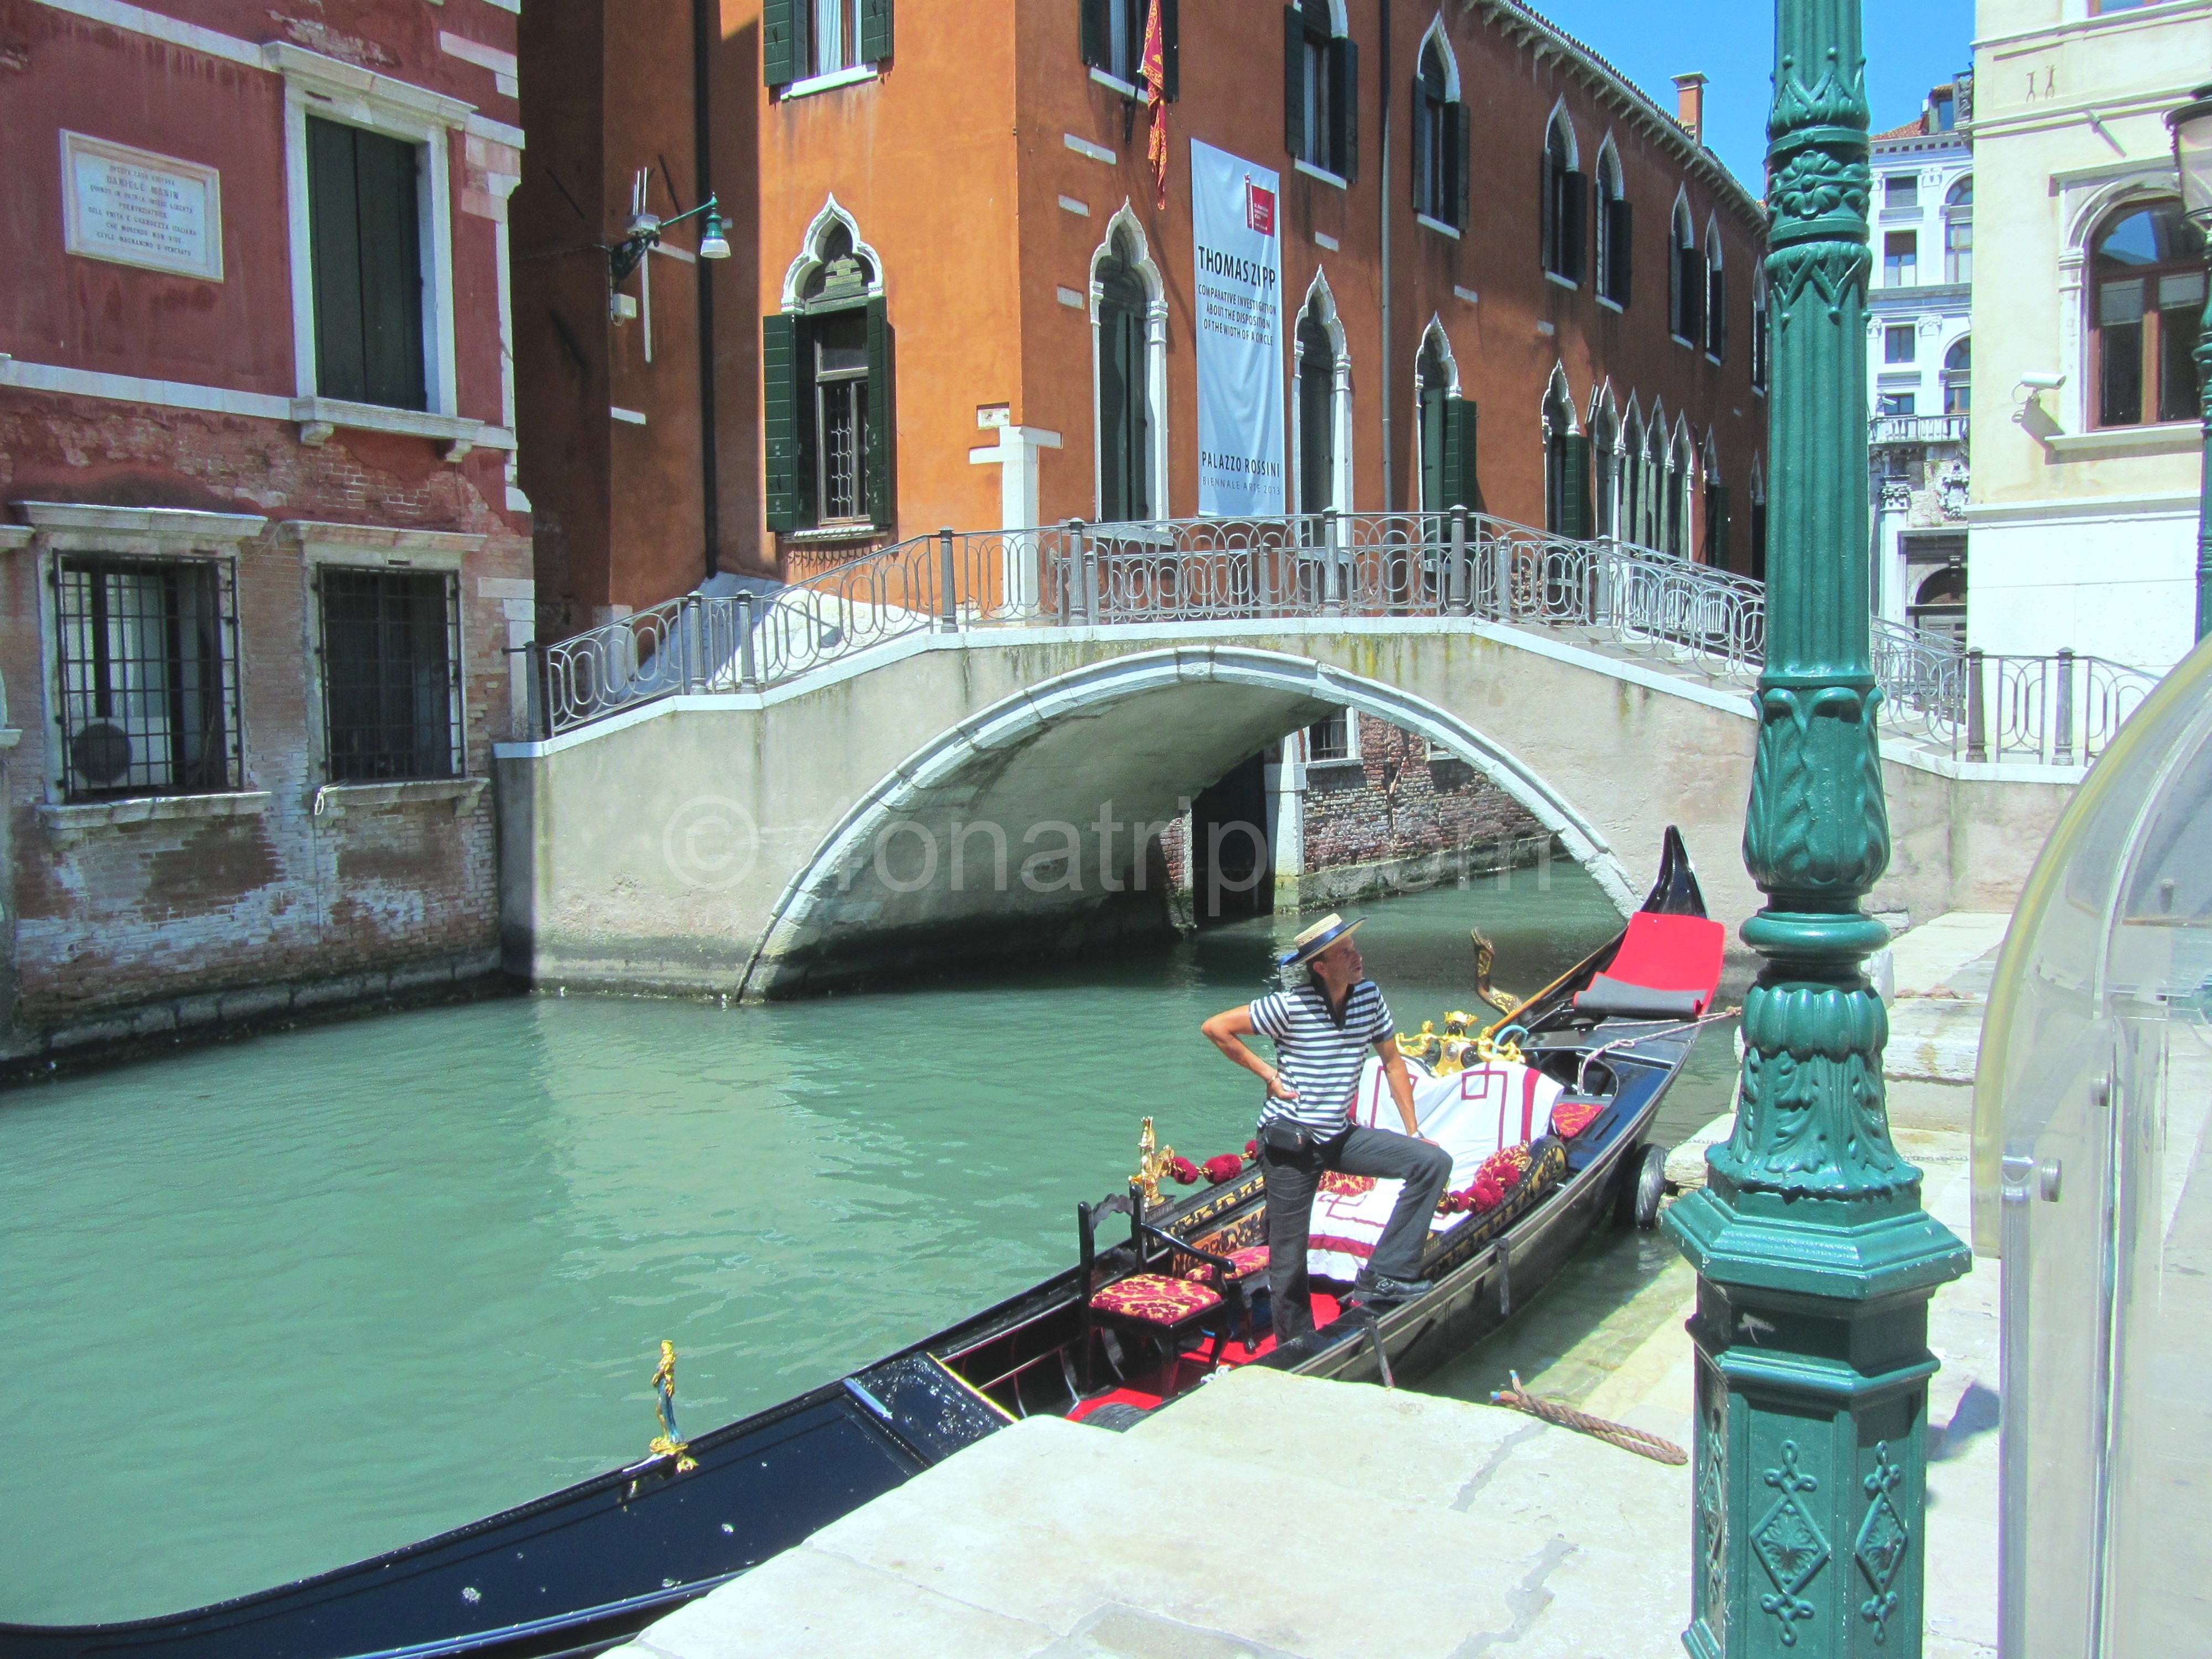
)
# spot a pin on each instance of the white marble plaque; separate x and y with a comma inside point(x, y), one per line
point(139, 209)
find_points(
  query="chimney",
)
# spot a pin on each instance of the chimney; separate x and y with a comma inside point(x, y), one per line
point(1690, 103)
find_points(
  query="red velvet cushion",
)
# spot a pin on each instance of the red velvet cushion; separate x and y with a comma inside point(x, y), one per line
point(1252, 1258)
point(1155, 1299)
point(1570, 1117)
point(1671, 953)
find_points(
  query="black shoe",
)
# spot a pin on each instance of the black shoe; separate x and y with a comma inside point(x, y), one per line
point(1381, 1287)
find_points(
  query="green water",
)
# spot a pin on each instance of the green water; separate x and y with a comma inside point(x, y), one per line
point(270, 1307)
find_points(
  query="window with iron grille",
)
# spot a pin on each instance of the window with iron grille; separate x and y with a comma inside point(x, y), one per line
point(392, 703)
point(1330, 739)
point(147, 663)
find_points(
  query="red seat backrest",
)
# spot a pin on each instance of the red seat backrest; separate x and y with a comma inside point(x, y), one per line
point(1672, 953)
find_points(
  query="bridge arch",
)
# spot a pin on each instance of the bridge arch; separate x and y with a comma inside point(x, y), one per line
point(1124, 741)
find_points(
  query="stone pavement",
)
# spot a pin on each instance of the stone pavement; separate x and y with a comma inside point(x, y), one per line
point(1275, 1515)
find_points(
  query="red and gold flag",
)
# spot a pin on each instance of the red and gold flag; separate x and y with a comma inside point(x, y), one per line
point(1156, 81)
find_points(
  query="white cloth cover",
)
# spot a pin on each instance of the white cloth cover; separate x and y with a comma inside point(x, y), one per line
point(1470, 1113)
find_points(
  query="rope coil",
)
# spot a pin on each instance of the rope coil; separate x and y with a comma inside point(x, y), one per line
point(1566, 1417)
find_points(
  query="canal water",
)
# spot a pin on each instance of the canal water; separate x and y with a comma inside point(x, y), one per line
point(273, 1306)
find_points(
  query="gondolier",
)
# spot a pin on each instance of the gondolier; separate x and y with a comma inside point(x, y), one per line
point(1323, 1031)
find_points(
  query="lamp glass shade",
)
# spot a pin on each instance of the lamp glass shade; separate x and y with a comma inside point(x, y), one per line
point(713, 244)
point(2192, 156)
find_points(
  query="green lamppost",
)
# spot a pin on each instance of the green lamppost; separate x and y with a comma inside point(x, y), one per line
point(1815, 1261)
point(2192, 160)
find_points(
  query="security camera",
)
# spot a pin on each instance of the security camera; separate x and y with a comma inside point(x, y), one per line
point(2043, 380)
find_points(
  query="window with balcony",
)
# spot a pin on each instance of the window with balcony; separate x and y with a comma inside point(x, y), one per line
point(1321, 88)
point(2146, 304)
point(1957, 377)
point(1895, 403)
point(1959, 232)
point(1900, 342)
point(1901, 258)
point(1125, 383)
point(147, 672)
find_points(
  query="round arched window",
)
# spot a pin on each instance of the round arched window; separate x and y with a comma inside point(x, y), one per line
point(1957, 376)
point(2147, 300)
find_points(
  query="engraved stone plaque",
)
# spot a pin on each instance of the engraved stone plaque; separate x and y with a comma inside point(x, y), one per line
point(136, 208)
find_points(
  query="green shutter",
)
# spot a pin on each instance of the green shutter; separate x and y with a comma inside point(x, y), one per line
point(1460, 488)
point(1343, 94)
point(779, 41)
point(875, 31)
point(1172, 46)
point(1716, 312)
point(1575, 487)
point(1548, 212)
point(883, 421)
point(1463, 144)
point(1294, 81)
point(1716, 513)
point(1574, 221)
point(781, 337)
point(1620, 250)
point(1433, 422)
point(366, 252)
point(334, 234)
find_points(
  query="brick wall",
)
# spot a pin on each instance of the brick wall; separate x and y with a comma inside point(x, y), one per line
point(1396, 801)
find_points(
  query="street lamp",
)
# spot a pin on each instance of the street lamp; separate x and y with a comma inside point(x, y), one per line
point(645, 230)
point(1815, 1263)
point(2192, 160)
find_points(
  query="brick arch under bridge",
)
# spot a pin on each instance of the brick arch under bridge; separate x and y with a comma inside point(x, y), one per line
point(729, 843)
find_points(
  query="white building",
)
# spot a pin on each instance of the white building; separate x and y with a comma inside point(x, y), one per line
point(2085, 450)
point(1918, 352)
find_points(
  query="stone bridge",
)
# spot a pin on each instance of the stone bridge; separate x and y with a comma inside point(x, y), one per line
point(988, 792)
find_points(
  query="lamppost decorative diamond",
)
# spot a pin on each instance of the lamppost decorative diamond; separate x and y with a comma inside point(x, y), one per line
point(1881, 1544)
point(1788, 1545)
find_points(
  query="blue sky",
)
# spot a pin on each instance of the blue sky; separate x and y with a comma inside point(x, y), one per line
point(1910, 45)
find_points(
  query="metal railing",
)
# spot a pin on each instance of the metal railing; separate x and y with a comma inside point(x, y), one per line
point(1611, 595)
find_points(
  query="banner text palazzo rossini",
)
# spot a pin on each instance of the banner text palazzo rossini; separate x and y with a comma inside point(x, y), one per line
point(1238, 256)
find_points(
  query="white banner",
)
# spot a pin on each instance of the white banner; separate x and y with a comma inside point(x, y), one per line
point(1238, 256)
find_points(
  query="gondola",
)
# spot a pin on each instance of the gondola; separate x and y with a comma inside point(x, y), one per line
point(582, 1569)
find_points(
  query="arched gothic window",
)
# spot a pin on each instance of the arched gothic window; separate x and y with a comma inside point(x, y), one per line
point(1685, 308)
point(1615, 262)
point(1716, 295)
point(1440, 135)
point(1321, 88)
point(1635, 484)
point(1322, 407)
point(1565, 204)
point(1447, 427)
point(2147, 299)
point(1566, 464)
point(1605, 459)
point(1762, 336)
point(829, 428)
point(1125, 421)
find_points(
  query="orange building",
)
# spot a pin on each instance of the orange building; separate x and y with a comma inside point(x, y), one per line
point(1507, 278)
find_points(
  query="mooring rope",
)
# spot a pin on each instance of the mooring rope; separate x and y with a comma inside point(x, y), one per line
point(1616, 1434)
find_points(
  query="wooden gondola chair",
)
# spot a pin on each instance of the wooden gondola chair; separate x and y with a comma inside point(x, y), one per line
point(1157, 1306)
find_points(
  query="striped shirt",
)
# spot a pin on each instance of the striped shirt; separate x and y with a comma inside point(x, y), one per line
point(1317, 1054)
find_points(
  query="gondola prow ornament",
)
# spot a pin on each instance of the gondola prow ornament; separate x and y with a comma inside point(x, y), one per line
point(670, 1442)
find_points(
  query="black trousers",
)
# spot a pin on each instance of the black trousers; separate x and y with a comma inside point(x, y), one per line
point(1293, 1178)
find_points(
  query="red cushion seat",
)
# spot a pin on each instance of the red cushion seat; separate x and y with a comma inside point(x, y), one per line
point(1252, 1258)
point(1675, 961)
point(1157, 1299)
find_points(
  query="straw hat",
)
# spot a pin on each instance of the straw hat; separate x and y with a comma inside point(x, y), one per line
point(1318, 938)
